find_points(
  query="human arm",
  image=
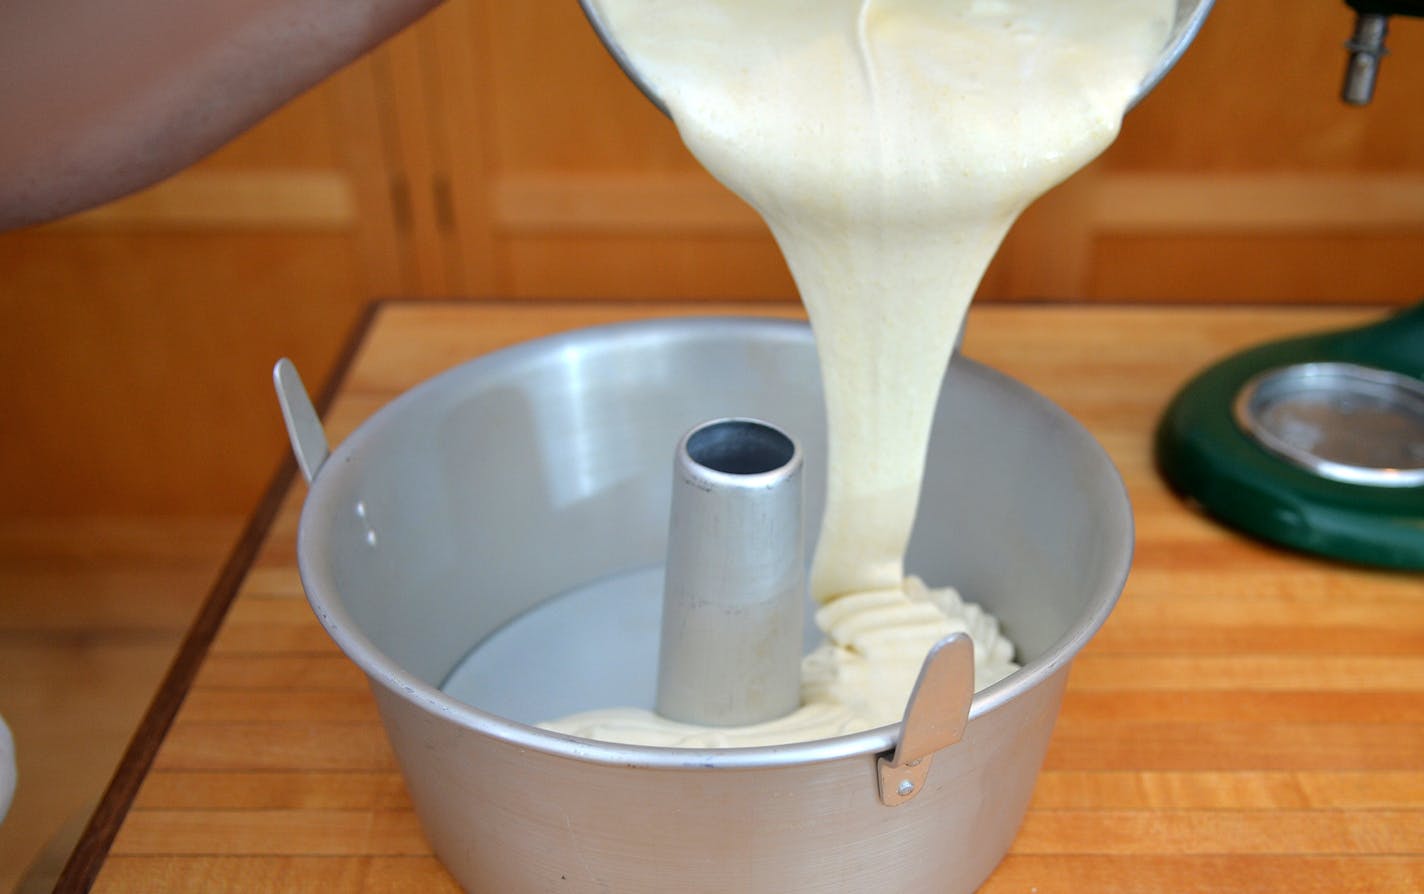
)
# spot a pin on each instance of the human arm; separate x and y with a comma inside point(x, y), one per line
point(99, 99)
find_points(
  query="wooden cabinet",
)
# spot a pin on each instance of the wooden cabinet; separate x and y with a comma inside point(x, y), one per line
point(494, 150)
point(138, 338)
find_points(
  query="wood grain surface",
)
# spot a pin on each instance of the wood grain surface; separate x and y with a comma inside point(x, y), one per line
point(1248, 719)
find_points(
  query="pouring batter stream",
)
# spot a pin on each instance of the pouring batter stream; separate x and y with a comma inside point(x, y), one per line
point(889, 146)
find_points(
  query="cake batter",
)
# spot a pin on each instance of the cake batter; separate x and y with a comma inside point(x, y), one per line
point(889, 145)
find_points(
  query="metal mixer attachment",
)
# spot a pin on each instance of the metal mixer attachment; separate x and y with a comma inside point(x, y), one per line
point(1366, 45)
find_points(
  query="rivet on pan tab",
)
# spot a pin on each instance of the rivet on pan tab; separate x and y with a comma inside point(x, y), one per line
point(935, 718)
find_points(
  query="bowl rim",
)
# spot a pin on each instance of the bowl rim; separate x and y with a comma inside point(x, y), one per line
point(382, 670)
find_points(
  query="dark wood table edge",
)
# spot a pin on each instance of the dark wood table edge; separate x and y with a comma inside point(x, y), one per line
point(82, 868)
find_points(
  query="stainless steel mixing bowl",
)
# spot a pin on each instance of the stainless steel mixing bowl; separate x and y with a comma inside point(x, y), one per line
point(521, 475)
point(1187, 21)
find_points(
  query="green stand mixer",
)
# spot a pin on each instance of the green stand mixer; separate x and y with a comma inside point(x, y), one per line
point(1315, 443)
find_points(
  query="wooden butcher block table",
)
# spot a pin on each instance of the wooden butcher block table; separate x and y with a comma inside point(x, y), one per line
point(1248, 719)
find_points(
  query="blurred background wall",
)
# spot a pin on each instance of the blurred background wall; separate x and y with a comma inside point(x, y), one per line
point(495, 151)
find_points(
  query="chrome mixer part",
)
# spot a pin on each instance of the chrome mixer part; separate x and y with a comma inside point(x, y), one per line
point(1190, 15)
point(1366, 45)
point(734, 591)
point(1366, 51)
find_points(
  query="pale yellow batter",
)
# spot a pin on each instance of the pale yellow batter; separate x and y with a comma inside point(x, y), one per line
point(859, 678)
point(889, 145)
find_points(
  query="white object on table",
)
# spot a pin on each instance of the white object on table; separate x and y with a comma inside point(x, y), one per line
point(7, 769)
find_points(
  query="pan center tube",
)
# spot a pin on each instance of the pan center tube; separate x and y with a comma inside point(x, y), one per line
point(733, 596)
